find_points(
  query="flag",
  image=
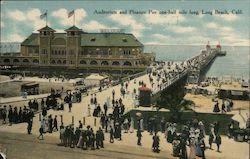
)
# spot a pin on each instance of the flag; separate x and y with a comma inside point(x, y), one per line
point(43, 15)
point(71, 13)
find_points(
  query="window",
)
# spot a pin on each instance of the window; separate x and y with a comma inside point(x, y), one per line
point(72, 33)
point(92, 39)
point(36, 50)
point(124, 40)
point(71, 52)
point(30, 50)
point(44, 51)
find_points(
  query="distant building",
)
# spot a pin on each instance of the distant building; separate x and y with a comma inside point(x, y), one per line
point(92, 52)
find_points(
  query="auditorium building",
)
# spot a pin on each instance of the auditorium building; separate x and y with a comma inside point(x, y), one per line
point(110, 52)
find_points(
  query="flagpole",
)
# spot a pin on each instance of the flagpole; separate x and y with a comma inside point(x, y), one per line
point(46, 17)
point(74, 19)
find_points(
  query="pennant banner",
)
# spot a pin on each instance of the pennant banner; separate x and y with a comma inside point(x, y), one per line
point(71, 13)
point(43, 15)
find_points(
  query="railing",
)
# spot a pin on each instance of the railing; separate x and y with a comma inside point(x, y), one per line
point(171, 81)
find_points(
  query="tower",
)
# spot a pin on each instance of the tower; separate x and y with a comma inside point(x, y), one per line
point(45, 36)
point(73, 43)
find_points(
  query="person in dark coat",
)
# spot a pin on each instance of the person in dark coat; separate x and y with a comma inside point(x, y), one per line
point(92, 139)
point(20, 115)
point(4, 114)
point(15, 115)
point(183, 149)
point(98, 109)
point(216, 108)
point(223, 108)
point(29, 127)
point(42, 103)
point(77, 135)
point(122, 109)
point(70, 106)
point(80, 124)
point(44, 111)
point(101, 138)
point(156, 142)
point(218, 142)
point(55, 126)
point(139, 136)
point(105, 107)
point(10, 115)
point(111, 132)
point(66, 136)
point(84, 140)
point(50, 120)
point(98, 138)
point(41, 133)
point(30, 104)
point(210, 140)
point(203, 148)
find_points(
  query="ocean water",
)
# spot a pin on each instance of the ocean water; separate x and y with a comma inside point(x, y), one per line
point(235, 64)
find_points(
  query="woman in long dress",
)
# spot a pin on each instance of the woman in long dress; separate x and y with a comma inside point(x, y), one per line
point(192, 153)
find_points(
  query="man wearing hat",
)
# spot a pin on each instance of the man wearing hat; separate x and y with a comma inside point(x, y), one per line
point(4, 114)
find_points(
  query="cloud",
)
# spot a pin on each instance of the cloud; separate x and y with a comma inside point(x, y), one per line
point(62, 15)
point(94, 26)
point(128, 21)
point(14, 37)
point(60, 30)
point(211, 25)
point(220, 29)
point(182, 29)
point(166, 19)
point(17, 15)
point(161, 37)
point(31, 18)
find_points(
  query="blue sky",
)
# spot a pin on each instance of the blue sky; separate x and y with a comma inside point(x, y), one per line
point(20, 19)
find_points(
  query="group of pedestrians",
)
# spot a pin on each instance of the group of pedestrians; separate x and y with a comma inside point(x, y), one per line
point(226, 106)
point(15, 116)
point(84, 138)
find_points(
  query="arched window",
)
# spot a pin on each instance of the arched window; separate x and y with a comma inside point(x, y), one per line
point(16, 61)
point(59, 62)
point(127, 63)
point(83, 62)
point(93, 62)
point(6, 60)
point(64, 61)
point(36, 61)
point(104, 63)
point(53, 62)
point(25, 61)
point(116, 63)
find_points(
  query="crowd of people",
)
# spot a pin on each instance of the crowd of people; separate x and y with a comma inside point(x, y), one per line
point(15, 116)
point(226, 106)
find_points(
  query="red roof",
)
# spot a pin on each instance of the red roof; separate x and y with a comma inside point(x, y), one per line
point(218, 46)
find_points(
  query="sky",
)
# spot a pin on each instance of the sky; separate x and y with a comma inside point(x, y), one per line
point(20, 18)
